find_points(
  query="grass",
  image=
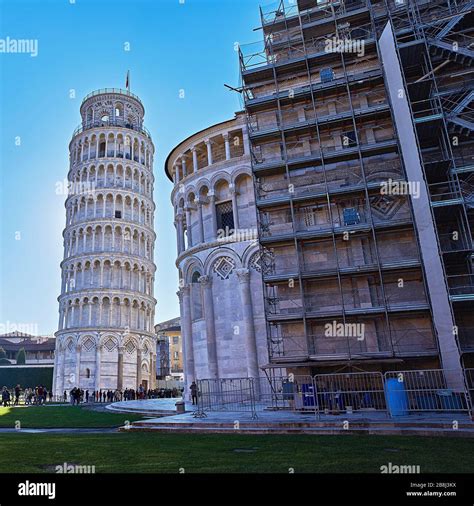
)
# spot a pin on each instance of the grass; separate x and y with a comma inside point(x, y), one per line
point(209, 453)
point(61, 416)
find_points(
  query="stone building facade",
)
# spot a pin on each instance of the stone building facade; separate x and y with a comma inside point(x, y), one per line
point(105, 337)
point(221, 301)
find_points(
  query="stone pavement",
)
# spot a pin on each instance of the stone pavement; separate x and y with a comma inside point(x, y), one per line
point(285, 421)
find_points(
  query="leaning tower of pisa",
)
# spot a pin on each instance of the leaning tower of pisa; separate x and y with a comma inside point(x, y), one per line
point(105, 336)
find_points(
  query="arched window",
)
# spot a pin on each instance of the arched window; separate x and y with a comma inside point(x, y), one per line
point(88, 373)
point(196, 299)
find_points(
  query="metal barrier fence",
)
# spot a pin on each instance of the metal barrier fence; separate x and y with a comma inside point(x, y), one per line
point(395, 393)
point(422, 391)
point(295, 392)
point(469, 375)
point(350, 392)
point(234, 395)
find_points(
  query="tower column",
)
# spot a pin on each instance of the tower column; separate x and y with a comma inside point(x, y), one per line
point(195, 159)
point(139, 368)
point(208, 303)
point(209, 151)
point(98, 358)
point(187, 337)
point(120, 369)
point(243, 276)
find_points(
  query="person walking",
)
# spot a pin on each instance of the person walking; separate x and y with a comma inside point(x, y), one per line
point(194, 392)
point(17, 395)
point(5, 397)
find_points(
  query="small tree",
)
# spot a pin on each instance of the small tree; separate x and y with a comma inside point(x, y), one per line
point(3, 357)
point(21, 357)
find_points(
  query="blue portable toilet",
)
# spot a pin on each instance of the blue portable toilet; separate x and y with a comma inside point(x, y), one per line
point(397, 399)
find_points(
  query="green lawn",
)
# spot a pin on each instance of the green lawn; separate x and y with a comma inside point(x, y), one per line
point(168, 453)
point(61, 416)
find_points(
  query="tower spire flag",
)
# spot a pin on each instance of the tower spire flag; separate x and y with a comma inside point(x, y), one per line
point(127, 81)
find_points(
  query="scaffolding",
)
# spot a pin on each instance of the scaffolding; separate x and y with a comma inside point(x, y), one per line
point(323, 143)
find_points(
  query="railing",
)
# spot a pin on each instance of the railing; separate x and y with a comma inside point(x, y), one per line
point(395, 393)
point(440, 192)
point(291, 118)
point(112, 90)
point(359, 340)
point(462, 284)
point(449, 243)
point(233, 395)
point(318, 221)
point(111, 123)
point(272, 153)
point(422, 390)
point(263, 53)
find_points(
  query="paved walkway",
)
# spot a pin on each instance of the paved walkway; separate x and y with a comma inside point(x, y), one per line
point(285, 421)
point(150, 406)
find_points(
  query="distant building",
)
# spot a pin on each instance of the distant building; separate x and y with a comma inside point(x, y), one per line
point(38, 349)
point(169, 350)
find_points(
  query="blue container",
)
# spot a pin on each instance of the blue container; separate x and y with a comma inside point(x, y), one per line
point(397, 399)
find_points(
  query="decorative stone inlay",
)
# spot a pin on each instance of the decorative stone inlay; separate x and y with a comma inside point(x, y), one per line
point(70, 346)
point(263, 261)
point(110, 345)
point(130, 348)
point(88, 344)
point(224, 267)
point(386, 206)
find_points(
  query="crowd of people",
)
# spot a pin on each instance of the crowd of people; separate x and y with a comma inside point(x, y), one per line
point(38, 395)
point(78, 395)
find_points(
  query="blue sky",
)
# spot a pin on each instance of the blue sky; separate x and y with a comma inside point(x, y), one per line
point(81, 47)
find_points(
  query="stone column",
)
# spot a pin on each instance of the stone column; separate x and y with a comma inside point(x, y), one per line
point(189, 227)
point(200, 222)
point(139, 368)
point(235, 209)
point(208, 304)
point(98, 359)
point(183, 165)
point(195, 159)
point(245, 141)
point(180, 232)
point(120, 368)
point(152, 370)
point(78, 366)
point(56, 369)
point(187, 336)
point(209, 152)
point(60, 380)
point(212, 203)
point(227, 146)
point(249, 329)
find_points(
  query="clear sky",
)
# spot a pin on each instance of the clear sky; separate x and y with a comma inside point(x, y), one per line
point(174, 45)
